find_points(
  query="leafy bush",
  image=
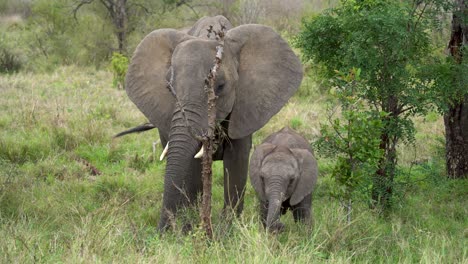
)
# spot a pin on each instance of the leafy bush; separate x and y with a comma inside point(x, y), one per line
point(353, 140)
point(119, 65)
point(9, 61)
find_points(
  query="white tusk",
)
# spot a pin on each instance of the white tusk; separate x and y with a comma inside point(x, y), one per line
point(163, 154)
point(200, 153)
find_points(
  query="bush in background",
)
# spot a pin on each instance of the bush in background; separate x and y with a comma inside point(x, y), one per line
point(351, 138)
point(119, 65)
point(9, 60)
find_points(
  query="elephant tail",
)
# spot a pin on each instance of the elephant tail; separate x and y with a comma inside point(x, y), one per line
point(138, 129)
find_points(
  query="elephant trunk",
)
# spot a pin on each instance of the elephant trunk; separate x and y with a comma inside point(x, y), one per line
point(180, 188)
point(275, 200)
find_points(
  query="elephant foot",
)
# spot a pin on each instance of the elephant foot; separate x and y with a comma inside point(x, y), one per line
point(186, 228)
point(276, 228)
point(163, 228)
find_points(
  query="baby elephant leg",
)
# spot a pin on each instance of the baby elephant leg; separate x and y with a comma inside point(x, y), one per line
point(264, 212)
point(302, 210)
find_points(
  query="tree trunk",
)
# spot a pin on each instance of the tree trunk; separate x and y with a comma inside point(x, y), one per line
point(456, 140)
point(456, 118)
point(118, 13)
point(382, 189)
point(120, 22)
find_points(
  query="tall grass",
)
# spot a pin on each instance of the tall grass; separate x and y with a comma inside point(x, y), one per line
point(54, 128)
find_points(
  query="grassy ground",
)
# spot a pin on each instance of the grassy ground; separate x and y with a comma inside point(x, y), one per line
point(56, 133)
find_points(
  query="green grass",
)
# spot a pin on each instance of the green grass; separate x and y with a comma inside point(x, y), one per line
point(53, 127)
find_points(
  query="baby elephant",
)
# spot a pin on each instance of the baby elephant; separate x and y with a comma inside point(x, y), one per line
point(283, 172)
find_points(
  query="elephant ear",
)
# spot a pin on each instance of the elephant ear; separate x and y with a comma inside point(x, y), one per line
point(255, 167)
point(308, 175)
point(269, 74)
point(146, 82)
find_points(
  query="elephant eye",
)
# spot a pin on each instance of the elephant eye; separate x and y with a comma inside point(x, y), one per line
point(219, 88)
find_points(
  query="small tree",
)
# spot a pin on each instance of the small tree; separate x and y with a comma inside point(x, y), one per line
point(387, 40)
point(352, 139)
point(123, 13)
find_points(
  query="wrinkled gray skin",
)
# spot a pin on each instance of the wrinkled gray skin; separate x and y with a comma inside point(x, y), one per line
point(199, 29)
point(258, 74)
point(283, 172)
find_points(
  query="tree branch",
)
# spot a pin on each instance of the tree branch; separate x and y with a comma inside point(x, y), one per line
point(108, 4)
point(80, 4)
point(191, 8)
point(141, 6)
point(421, 14)
point(208, 140)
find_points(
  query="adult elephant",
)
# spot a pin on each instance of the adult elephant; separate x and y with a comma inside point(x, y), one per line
point(258, 74)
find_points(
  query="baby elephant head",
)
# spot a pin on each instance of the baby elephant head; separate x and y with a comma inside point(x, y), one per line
point(283, 178)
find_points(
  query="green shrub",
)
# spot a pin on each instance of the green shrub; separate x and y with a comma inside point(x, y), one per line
point(9, 61)
point(352, 140)
point(119, 65)
point(296, 123)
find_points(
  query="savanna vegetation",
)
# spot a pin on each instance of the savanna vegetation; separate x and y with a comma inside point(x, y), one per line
point(379, 89)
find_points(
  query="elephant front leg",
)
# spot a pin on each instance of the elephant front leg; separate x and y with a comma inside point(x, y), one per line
point(178, 195)
point(302, 211)
point(236, 163)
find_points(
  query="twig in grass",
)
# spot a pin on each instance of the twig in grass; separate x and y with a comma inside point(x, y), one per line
point(93, 170)
point(20, 239)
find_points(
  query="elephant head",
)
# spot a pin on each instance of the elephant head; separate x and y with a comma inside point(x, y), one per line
point(278, 174)
point(200, 28)
point(258, 74)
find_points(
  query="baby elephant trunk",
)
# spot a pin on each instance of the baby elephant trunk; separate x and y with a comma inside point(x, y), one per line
point(275, 200)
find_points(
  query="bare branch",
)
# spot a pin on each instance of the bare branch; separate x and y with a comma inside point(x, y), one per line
point(421, 14)
point(108, 4)
point(192, 8)
point(181, 2)
point(141, 6)
point(80, 4)
point(209, 140)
